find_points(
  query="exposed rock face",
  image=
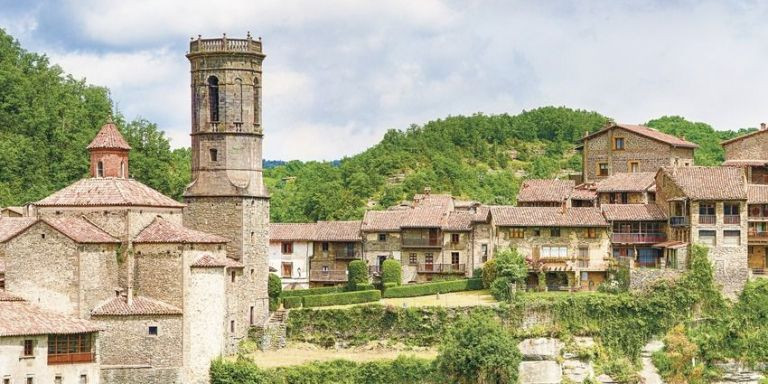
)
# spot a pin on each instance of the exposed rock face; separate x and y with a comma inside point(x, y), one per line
point(540, 372)
point(541, 362)
point(734, 373)
point(540, 349)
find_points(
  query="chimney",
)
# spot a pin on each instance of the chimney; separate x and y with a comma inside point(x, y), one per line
point(762, 126)
point(130, 296)
point(427, 191)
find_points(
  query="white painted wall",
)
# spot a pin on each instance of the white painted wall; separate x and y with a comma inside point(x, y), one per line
point(18, 368)
point(302, 252)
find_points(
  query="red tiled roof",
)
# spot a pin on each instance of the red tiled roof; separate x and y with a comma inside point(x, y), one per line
point(757, 194)
point(744, 136)
point(384, 220)
point(709, 183)
point(458, 221)
point(12, 226)
point(19, 318)
point(208, 261)
point(745, 163)
point(432, 200)
point(141, 305)
point(163, 231)
point(535, 190)
point(649, 133)
point(633, 212)
point(508, 216)
point(338, 231)
point(583, 193)
point(109, 138)
point(482, 213)
point(292, 231)
point(627, 182)
point(80, 230)
point(108, 191)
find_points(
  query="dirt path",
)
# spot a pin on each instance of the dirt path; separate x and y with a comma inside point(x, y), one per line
point(649, 373)
point(301, 353)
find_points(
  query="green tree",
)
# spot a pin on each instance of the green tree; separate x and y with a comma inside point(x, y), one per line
point(391, 271)
point(511, 269)
point(357, 274)
point(274, 289)
point(478, 350)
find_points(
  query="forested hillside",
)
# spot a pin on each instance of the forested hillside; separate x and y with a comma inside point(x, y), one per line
point(47, 118)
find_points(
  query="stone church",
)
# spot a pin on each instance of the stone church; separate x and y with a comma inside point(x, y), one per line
point(170, 285)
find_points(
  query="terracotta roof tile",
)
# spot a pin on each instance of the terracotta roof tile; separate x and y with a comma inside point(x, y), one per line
point(108, 191)
point(15, 209)
point(583, 193)
point(508, 216)
point(292, 231)
point(19, 318)
point(627, 182)
point(633, 212)
point(118, 306)
point(80, 230)
point(745, 163)
point(757, 194)
point(384, 220)
point(12, 226)
point(709, 183)
point(163, 231)
point(535, 190)
point(433, 200)
point(482, 213)
point(208, 261)
point(338, 231)
point(458, 221)
point(649, 133)
point(109, 138)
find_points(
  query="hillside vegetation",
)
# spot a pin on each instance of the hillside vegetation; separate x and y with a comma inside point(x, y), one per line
point(47, 118)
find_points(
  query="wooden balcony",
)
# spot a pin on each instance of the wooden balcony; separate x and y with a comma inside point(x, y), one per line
point(328, 276)
point(441, 268)
point(760, 217)
point(707, 219)
point(678, 221)
point(759, 272)
point(71, 358)
point(346, 254)
point(422, 243)
point(732, 219)
point(757, 235)
point(638, 238)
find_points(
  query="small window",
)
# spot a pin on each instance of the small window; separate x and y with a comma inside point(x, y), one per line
point(214, 154)
point(251, 316)
point(517, 233)
point(56, 380)
point(554, 232)
point(634, 167)
point(591, 233)
point(325, 268)
point(428, 258)
point(536, 232)
point(83, 379)
point(325, 246)
point(152, 330)
point(42, 235)
point(454, 238)
point(234, 275)
point(122, 169)
point(100, 169)
point(232, 326)
point(29, 347)
point(30, 380)
point(707, 237)
point(382, 237)
point(731, 237)
point(618, 143)
point(602, 169)
point(6, 381)
point(287, 248)
point(484, 250)
point(287, 270)
point(454, 258)
point(412, 259)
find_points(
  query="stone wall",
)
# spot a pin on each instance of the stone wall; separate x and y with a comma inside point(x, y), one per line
point(749, 148)
point(642, 278)
point(143, 375)
point(98, 276)
point(126, 341)
point(205, 304)
point(158, 272)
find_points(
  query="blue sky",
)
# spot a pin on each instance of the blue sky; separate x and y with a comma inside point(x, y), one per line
point(339, 73)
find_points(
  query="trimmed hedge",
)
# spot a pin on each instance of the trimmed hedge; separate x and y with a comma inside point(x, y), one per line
point(386, 286)
point(292, 301)
point(412, 290)
point(357, 273)
point(391, 271)
point(365, 287)
point(311, 291)
point(342, 298)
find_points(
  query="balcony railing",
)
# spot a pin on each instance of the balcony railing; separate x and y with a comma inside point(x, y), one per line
point(759, 271)
point(71, 358)
point(732, 219)
point(707, 219)
point(648, 238)
point(763, 235)
point(678, 221)
point(346, 254)
point(419, 242)
point(441, 268)
point(328, 276)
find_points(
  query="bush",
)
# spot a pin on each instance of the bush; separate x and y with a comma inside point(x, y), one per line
point(489, 273)
point(386, 286)
point(358, 274)
point(412, 290)
point(311, 291)
point(274, 304)
point(391, 271)
point(366, 287)
point(292, 301)
point(511, 268)
point(342, 298)
point(274, 286)
point(477, 273)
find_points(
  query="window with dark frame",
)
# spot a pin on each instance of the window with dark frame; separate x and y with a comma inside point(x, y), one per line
point(214, 154)
point(428, 258)
point(591, 233)
point(30, 380)
point(325, 246)
point(232, 326)
point(29, 348)
point(455, 238)
point(233, 274)
point(517, 233)
point(554, 232)
point(287, 248)
point(412, 258)
point(618, 143)
point(382, 237)
point(152, 331)
point(455, 258)
point(100, 169)
point(602, 169)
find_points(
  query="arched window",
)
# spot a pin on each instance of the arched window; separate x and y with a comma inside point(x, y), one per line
point(214, 154)
point(122, 169)
point(213, 98)
point(238, 100)
point(256, 101)
point(100, 169)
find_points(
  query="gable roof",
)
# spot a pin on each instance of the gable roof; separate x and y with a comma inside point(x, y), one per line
point(12, 226)
point(80, 230)
point(709, 183)
point(633, 212)
point(584, 193)
point(538, 190)
point(292, 231)
point(20, 318)
point(141, 305)
point(508, 216)
point(109, 138)
point(742, 137)
point(208, 261)
point(338, 231)
point(108, 191)
point(163, 231)
point(646, 132)
point(627, 182)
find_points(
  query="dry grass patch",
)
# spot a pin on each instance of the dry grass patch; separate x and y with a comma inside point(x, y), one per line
point(302, 353)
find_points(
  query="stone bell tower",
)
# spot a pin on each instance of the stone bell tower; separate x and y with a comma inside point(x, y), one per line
point(227, 194)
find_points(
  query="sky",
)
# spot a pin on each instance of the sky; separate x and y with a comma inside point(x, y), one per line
point(340, 73)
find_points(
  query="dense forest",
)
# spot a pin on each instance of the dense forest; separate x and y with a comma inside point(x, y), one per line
point(48, 117)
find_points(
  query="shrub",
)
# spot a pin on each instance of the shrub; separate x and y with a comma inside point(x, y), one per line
point(365, 287)
point(274, 304)
point(274, 286)
point(311, 291)
point(391, 271)
point(489, 273)
point(358, 274)
point(477, 273)
point(292, 301)
point(412, 290)
point(342, 298)
point(386, 286)
point(479, 350)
